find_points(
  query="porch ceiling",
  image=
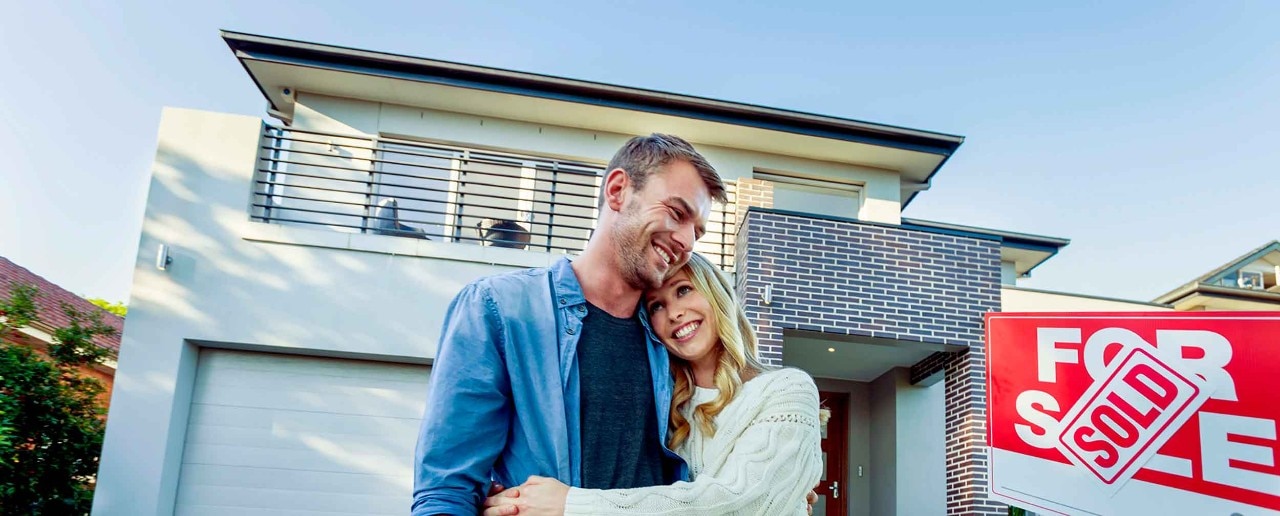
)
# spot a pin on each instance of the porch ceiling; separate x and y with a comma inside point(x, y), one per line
point(860, 359)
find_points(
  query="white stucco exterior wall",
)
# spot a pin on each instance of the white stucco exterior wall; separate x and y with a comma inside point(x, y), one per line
point(243, 284)
point(880, 197)
point(908, 459)
point(883, 471)
point(1017, 299)
point(922, 480)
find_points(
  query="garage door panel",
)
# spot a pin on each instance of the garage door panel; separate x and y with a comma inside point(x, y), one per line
point(282, 432)
point(317, 454)
point(271, 363)
point(278, 434)
point(326, 481)
point(235, 498)
point(265, 379)
point(365, 402)
point(188, 510)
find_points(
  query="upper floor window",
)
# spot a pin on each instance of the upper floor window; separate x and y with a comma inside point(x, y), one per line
point(813, 194)
point(1251, 280)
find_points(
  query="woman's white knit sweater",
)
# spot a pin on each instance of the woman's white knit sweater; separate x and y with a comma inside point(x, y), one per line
point(764, 458)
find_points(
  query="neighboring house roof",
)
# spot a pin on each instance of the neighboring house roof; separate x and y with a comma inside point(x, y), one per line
point(1208, 282)
point(50, 298)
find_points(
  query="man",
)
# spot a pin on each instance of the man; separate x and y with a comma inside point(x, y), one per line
point(554, 371)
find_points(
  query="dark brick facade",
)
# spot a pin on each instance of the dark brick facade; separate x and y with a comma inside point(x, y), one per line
point(846, 277)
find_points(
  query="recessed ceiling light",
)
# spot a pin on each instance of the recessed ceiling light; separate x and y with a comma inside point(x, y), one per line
point(832, 350)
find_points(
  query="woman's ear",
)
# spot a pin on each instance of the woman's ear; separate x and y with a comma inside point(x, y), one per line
point(616, 185)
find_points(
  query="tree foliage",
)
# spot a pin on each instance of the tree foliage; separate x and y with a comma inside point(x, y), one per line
point(117, 308)
point(51, 423)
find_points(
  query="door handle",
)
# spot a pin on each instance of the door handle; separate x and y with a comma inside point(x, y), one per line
point(835, 490)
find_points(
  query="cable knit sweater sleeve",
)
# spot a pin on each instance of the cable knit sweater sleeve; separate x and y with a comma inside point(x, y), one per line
point(775, 460)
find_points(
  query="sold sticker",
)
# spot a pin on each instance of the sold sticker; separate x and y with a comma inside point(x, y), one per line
point(1125, 418)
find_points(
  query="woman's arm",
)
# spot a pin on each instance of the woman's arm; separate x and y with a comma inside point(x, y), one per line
point(774, 462)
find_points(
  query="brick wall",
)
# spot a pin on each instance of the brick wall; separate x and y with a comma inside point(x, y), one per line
point(854, 278)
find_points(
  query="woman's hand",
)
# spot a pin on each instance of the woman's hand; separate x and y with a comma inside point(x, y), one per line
point(539, 496)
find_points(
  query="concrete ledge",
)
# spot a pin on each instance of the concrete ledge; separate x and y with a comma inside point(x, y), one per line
point(262, 232)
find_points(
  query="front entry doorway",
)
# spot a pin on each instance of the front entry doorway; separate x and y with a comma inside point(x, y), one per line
point(832, 489)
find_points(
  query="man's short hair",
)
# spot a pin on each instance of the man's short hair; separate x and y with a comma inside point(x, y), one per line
point(641, 156)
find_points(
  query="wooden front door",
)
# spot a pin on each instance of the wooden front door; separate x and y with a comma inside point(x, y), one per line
point(835, 453)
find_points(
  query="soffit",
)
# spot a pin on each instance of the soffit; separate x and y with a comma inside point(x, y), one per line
point(1200, 301)
point(1023, 259)
point(274, 77)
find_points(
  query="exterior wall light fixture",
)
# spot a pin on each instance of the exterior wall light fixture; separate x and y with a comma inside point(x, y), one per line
point(163, 260)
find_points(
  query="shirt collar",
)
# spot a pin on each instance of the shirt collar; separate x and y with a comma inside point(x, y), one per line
point(569, 293)
point(567, 288)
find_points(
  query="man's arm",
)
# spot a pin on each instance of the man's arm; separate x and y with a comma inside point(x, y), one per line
point(465, 425)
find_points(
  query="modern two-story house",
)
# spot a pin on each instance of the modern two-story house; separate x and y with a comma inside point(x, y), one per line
point(292, 276)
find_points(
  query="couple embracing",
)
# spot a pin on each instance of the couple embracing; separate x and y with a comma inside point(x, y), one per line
point(624, 381)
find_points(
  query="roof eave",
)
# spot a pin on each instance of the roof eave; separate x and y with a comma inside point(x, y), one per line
point(255, 47)
point(1191, 289)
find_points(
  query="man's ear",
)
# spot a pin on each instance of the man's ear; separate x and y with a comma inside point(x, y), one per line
point(616, 185)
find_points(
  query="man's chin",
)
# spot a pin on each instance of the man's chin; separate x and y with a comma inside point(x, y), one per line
point(654, 279)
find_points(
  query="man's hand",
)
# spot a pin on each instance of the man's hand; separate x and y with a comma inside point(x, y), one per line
point(810, 499)
point(495, 490)
point(539, 496)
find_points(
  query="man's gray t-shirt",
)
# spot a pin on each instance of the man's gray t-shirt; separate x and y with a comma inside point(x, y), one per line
point(620, 447)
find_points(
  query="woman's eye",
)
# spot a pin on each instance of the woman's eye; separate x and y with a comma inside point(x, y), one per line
point(655, 307)
point(683, 290)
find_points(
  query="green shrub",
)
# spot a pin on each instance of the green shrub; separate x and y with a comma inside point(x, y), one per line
point(51, 423)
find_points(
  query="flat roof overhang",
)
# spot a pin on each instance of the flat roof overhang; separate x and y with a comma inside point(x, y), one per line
point(1024, 250)
point(278, 64)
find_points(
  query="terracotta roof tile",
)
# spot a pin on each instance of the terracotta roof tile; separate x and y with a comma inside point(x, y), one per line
point(50, 299)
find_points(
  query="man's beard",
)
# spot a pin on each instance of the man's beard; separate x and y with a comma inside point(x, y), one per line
point(632, 250)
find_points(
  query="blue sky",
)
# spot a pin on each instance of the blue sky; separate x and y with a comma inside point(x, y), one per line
point(1144, 131)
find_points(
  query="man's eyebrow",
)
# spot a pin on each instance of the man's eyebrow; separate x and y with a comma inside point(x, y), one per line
point(683, 205)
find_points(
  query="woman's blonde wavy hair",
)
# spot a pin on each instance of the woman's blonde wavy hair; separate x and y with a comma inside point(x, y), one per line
point(737, 353)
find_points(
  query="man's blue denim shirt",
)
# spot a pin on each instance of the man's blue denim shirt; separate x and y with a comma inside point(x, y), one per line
point(504, 393)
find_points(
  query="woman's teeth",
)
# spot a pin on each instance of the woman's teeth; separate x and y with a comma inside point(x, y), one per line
point(687, 330)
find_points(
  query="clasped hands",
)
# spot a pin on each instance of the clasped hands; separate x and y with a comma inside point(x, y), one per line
point(538, 496)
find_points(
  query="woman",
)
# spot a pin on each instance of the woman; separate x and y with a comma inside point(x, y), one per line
point(749, 432)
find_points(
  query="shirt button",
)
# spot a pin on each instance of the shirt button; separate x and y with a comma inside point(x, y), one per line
point(562, 300)
point(569, 331)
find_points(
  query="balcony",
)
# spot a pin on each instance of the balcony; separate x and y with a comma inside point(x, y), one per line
point(442, 192)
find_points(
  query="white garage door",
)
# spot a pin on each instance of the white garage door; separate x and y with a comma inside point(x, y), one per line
point(287, 435)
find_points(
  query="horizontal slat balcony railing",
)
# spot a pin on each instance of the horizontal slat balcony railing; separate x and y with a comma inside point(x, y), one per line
point(444, 193)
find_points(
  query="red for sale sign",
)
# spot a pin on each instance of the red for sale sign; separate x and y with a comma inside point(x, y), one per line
point(1135, 413)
